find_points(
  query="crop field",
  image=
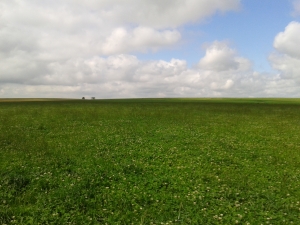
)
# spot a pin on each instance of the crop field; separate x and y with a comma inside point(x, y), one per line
point(150, 161)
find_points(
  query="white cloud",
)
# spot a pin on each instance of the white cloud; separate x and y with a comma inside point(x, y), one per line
point(287, 58)
point(157, 13)
point(288, 42)
point(288, 66)
point(58, 30)
point(139, 39)
point(73, 48)
point(124, 75)
point(64, 42)
point(219, 57)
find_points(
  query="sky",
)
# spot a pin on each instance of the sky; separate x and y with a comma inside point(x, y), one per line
point(149, 48)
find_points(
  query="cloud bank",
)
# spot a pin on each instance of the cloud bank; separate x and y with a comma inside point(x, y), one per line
point(221, 72)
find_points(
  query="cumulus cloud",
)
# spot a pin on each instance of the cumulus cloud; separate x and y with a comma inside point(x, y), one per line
point(73, 48)
point(288, 66)
point(287, 58)
point(124, 75)
point(64, 29)
point(219, 57)
point(139, 39)
point(288, 42)
point(34, 35)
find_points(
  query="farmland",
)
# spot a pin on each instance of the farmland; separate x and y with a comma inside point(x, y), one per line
point(150, 161)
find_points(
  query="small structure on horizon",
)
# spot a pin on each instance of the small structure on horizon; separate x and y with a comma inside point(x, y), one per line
point(83, 98)
point(93, 98)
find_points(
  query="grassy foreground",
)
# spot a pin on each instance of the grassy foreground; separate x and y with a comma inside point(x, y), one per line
point(175, 161)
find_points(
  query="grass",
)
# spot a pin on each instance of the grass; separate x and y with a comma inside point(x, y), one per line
point(150, 161)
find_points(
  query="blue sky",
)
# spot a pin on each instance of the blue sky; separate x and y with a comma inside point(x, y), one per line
point(251, 30)
point(150, 48)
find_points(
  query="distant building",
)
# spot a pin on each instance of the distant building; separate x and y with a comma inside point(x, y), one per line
point(83, 98)
point(93, 98)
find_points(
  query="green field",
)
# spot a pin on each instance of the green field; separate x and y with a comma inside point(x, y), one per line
point(150, 161)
